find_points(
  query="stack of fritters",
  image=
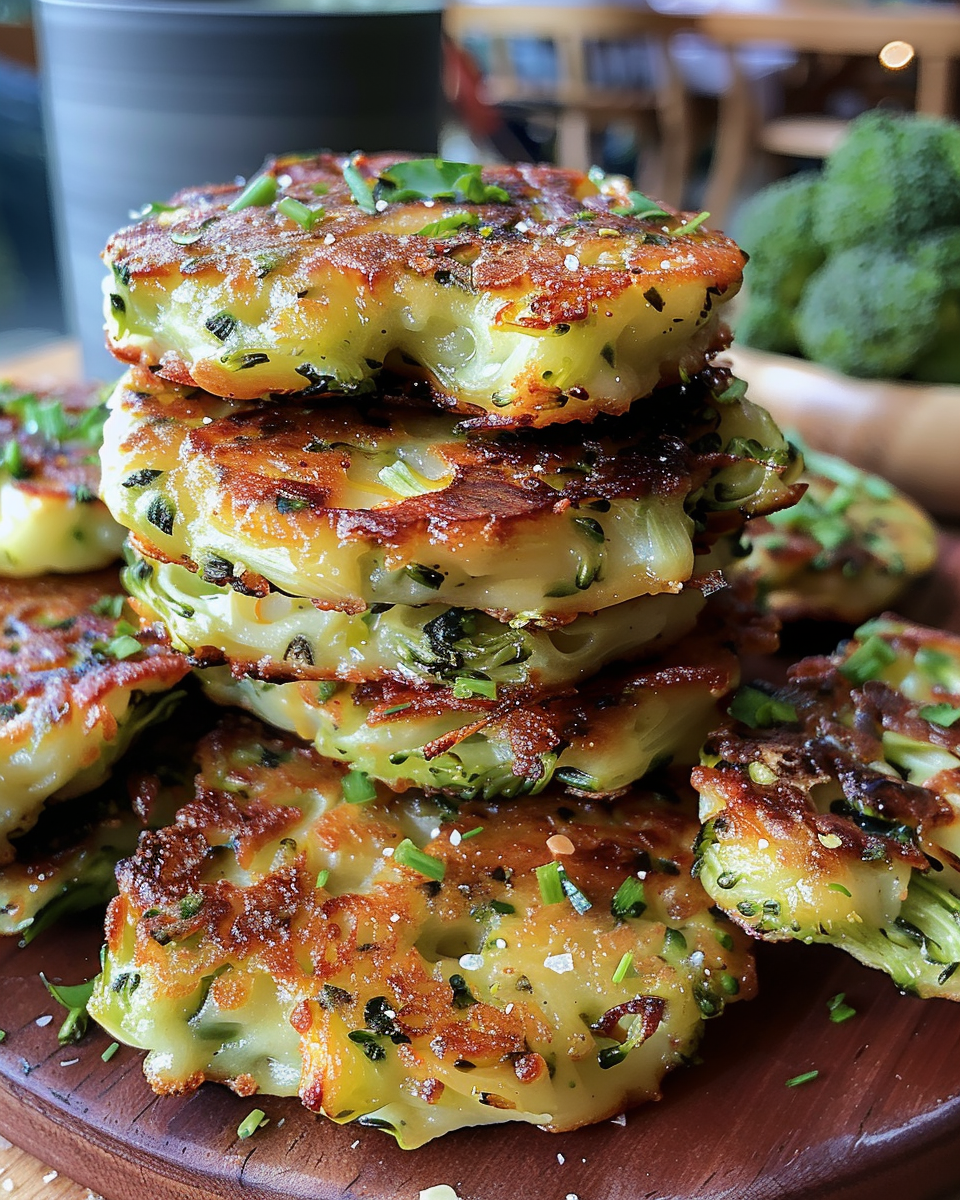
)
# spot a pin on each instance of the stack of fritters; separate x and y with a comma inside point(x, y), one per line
point(431, 467)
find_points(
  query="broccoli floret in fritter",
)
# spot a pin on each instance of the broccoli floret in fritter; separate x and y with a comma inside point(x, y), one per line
point(893, 177)
point(870, 312)
point(775, 227)
point(832, 808)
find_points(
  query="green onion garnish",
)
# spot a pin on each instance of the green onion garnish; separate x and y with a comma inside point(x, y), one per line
point(839, 1011)
point(259, 192)
point(448, 225)
point(251, 1123)
point(110, 1051)
point(868, 660)
point(691, 226)
point(360, 189)
point(804, 1078)
point(425, 576)
point(322, 877)
point(640, 206)
point(121, 647)
point(838, 887)
point(409, 855)
point(760, 773)
point(3, 1034)
point(439, 179)
point(623, 966)
point(74, 998)
point(357, 788)
point(13, 460)
point(551, 888)
point(630, 899)
point(464, 687)
point(471, 833)
point(296, 211)
point(940, 714)
point(758, 710)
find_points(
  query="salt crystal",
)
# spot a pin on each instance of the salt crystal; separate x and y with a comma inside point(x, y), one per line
point(456, 837)
point(471, 962)
point(571, 262)
point(43, 1022)
point(560, 963)
point(50, 1177)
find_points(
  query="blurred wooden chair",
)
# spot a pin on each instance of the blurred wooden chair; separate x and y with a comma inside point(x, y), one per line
point(817, 27)
point(573, 91)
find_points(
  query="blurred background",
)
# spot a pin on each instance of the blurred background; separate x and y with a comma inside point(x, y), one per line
point(701, 101)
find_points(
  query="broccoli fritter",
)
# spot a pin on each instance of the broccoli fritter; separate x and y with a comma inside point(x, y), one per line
point(519, 294)
point(77, 683)
point(844, 551)
point(280, 637)
point(51, 516)
point(356, 505)
point(831, 805)
point(475, 739)
point(409, 967)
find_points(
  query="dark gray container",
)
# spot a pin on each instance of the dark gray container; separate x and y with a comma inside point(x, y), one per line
point(141, 99)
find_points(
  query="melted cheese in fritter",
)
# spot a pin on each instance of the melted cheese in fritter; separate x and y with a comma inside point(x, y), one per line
point(832, 810)
point(547, 306)
point(280, 637)
point(73, 692)
point(51, 517)
point(392, 505)
point(598, 738)
point(850, 546)
point(277, 939)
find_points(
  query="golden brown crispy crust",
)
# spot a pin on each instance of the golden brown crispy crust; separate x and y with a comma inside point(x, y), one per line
point(306, 937)
point(518, 252)
point(67, 467)
point(288, 463)
point(837, 738)
point(54, 655)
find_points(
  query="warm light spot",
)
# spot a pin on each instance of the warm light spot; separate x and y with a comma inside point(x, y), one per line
point(896, 55)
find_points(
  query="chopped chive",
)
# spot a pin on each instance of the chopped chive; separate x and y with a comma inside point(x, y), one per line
point(448, 225)
point(593, 529)
point(804, 1078)
point(630, 899)
point(296, 211)
point(13, 460)
point(464, 687)
point(940, 714)
point(623, 966)
point(162, 513)
point(357, 788)
point(259, 192)
point(758, 710)
point(730, 983)
point(838, 887)
point(839, 1010)
point(640, 206)
point(472, 833)
point(575, 778)
point(360, 189)
point(322, 878)
point(251, 1123)
point(396, 708)
point(551, 886)
point(409, 855)
point(325, 689)
point(140, 479)
point(579, 901)
point(868, 660)
point(502, 907)
point(110, 1051)
point(3, 1035)
point(221, 325)
point(691, 226)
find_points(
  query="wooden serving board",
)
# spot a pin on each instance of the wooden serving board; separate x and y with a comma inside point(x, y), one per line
point(881, 1119)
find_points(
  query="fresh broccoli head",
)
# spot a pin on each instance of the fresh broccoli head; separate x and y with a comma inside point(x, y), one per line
point(893, 178)
point(870, 312)
point(775, 227)
point(767, 324)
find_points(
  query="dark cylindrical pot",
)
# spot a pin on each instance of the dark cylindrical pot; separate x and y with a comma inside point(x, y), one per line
point(141, 99)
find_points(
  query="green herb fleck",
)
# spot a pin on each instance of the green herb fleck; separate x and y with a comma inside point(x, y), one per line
point(623, 967)
point(251, 1123)
point(296, 211)
point(359, 187)
point(259, 192)
point(758, 710)
point(640, 206)
point(110, 1051)
point(447, 225)
point(806, 1077)
point(357, 788)
point(630, 899)
point(868, 660)
point(409, 855)
point(840, 1011)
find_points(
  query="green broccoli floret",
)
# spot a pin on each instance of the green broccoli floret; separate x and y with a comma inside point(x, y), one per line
point(894, 177)
point(766, 324)
point(775, 227)
point(870, 312)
